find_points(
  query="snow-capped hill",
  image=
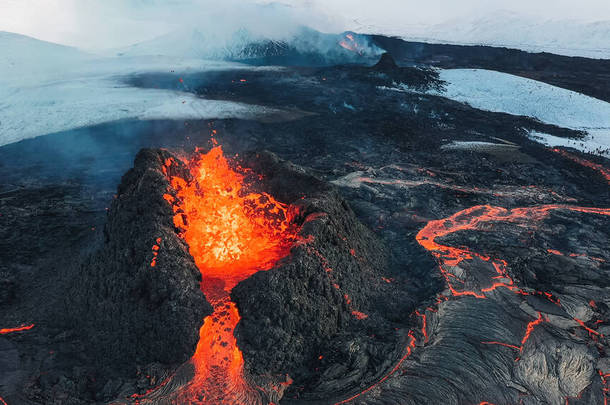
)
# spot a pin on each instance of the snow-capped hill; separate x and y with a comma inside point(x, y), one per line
point(187, 43)
point(501, 92)
point(243, 45)
point(22, 55)
point(508, 29)
point(13, 45)
point(47, 88)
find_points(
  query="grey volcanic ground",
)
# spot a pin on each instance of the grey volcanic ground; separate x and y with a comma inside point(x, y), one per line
point(511, 306)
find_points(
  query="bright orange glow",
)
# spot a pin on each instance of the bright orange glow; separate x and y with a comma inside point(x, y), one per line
point(605, 388)
point(17, 329)
point(479, 218)
point(424, 328)
point(475, 218)
point(155, 252)
point(350, 43)
point(502, 344)
point(232, 233)
point(597, 167)
point(529, 329)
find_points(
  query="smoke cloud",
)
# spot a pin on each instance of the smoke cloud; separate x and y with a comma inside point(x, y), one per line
point(99, 24)
point(96, 24)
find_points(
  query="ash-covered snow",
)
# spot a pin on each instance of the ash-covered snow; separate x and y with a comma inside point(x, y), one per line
point(500, 92)
point(46, 88)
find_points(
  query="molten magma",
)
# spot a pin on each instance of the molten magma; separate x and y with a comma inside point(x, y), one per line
point(232, 233)
point(597, 167)
point(477, 218)
point(21, 328)
point(481, 218)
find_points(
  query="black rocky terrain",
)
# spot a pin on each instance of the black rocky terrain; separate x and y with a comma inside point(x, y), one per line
point(137, 300)
point(327, 296)
point(507, 305)
point(584, 75)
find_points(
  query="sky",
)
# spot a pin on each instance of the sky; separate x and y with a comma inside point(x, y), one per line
point(99, 24)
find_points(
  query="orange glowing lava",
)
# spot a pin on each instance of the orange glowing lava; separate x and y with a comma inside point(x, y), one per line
point(17, 329)
point(232, 233)
point(605, 388)
point(480, 218)
point(477, 218)
point(408, 351)
point(350, 43)
point(597, 167)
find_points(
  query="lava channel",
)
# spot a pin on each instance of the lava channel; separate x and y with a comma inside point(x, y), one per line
point(232, 234)
point(6, 331)
point(477, 218)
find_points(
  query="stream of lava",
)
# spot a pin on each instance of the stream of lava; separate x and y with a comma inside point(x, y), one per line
point(232, 234)
point(21, 328)
point(597, 167)
point(478, 218)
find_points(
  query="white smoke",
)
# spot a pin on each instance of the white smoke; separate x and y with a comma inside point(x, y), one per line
point(96, 24)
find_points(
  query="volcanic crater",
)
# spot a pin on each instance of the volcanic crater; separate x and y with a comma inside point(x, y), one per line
point(416, 250)
point(286, 288)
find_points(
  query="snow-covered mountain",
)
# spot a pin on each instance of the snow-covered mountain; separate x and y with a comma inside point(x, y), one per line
point(46, 88)
point(512, 30)
point(21, 56)
point(244, 45)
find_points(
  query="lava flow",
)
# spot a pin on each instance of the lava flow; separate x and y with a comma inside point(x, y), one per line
point(477, 218)
point(232, 234)
point(21, 328)
point(597, 167)
point(350, 43)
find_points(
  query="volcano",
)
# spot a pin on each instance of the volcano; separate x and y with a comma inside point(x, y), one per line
point(277, 278)
point(382, 232)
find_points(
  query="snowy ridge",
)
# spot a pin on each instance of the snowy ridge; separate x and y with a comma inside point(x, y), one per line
point(242, 44)
point(46, 88)
point(562, 37)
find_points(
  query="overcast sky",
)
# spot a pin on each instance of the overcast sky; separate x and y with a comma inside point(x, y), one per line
point(113, 23)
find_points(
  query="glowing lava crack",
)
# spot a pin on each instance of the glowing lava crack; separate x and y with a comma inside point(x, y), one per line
point(232, 234)
point(477, 218)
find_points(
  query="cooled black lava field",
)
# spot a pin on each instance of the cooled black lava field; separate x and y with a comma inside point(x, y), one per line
point(413, 269)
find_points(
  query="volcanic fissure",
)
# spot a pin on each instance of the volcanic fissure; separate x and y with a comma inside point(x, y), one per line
point(232, 233)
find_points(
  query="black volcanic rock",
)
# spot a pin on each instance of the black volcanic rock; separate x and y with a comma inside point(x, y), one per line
point(54, 190)
point(130, 312)
point(7, 287)
point(386, 62)
point(293, 315)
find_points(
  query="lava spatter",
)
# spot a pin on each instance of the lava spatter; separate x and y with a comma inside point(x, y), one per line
point(232, 234)
point(350, 43)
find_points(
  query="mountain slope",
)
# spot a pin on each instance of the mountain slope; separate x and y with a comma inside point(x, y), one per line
point(562, 37)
